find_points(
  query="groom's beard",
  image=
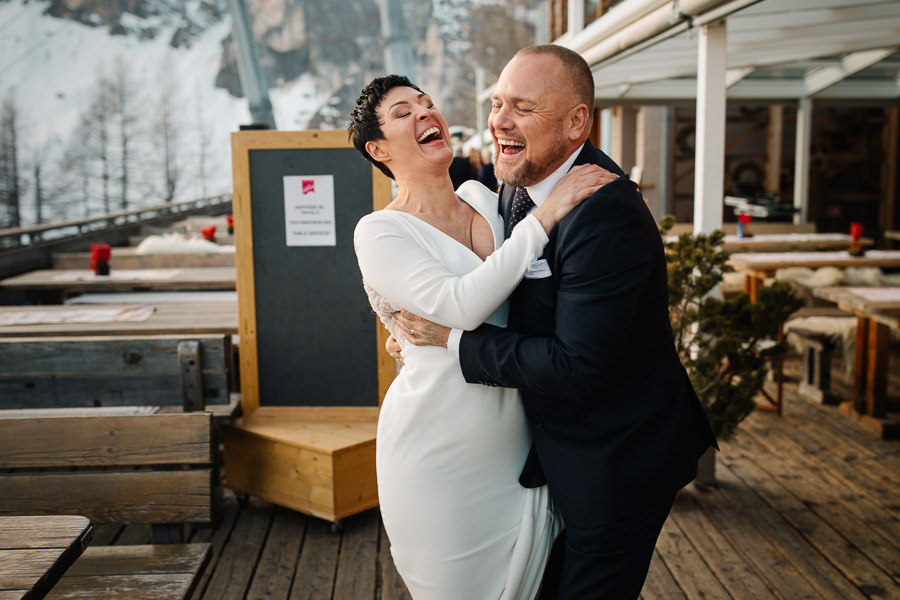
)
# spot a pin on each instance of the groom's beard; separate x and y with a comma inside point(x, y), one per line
point(535, 169)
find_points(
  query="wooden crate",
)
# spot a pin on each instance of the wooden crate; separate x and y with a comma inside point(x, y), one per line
point(317, 460)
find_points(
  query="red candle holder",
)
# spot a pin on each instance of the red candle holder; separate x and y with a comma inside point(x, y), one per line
point(856, 233)
point(100, 255)
point(743, 222)
point(209, 233)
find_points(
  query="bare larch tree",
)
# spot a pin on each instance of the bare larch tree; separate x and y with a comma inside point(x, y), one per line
point(9, 162)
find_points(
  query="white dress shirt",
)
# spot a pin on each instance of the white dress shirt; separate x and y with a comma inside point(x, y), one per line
point(538, 192)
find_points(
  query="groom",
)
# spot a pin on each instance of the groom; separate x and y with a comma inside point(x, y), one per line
point(617, 426)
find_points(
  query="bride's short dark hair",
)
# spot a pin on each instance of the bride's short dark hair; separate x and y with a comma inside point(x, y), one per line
point(364, 124)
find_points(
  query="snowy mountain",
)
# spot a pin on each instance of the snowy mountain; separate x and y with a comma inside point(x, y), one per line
point(122, 103)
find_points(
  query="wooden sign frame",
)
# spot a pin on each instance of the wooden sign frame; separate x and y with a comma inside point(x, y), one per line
point(242, 143)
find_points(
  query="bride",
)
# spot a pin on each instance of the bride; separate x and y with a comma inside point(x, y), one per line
point(448, 453)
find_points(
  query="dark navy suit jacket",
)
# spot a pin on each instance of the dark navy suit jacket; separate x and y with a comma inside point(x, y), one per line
point(617, 426)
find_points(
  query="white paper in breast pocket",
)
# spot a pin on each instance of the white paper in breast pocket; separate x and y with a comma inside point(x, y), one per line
point(537, 269)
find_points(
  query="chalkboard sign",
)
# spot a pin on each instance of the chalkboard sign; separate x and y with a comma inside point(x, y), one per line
point(307, 334)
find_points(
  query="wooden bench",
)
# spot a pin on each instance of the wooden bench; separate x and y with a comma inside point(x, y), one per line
point(163, 572)
point(140, 468)
point(815, 379)
point(156, 370)
point(817, 345)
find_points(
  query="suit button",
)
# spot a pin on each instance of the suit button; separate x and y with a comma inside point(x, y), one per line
point(538, 424)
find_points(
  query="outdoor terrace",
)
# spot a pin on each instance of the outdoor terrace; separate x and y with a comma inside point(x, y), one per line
point(806, 507)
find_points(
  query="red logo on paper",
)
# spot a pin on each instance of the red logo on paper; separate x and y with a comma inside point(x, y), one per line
point(309, 186)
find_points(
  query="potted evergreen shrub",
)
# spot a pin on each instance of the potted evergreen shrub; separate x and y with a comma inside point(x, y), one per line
point(725, 345)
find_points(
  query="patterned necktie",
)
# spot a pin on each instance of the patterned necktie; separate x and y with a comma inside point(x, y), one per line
point(521, 205)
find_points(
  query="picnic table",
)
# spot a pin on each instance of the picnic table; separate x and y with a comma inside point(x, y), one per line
point(878, 311)
point(51, 286)
point(784, 242)
point(757, 266)
point(35, 551)
point(119, 319)
point(130, 258)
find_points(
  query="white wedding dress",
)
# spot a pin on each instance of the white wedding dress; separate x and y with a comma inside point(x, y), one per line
point(449, 453)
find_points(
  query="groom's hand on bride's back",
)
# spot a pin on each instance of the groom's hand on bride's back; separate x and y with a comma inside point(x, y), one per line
point(419, 331)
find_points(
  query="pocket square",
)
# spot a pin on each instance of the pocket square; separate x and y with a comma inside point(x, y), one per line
point(537, 269)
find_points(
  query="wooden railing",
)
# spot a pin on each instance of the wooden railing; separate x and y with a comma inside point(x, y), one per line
point(19, 237)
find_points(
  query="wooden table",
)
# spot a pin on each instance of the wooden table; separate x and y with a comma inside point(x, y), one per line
point(128, 258)
point(35, 551)
point(758, 266)
point(168, 318)
point(54, 285)
point(785, 242)
point(878, 311)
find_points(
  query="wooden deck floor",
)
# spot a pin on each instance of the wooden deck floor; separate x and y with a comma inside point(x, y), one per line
point(807, 506)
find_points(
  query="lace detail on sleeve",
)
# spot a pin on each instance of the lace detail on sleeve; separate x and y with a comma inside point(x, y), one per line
point(383, 309)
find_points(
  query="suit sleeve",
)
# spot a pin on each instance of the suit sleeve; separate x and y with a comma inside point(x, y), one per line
point(604, 261)
point(401, 269)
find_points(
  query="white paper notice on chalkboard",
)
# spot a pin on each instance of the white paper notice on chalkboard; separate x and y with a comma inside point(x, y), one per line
point(309, 210)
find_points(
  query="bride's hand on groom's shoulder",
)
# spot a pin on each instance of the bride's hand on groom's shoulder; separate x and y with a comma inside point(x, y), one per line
point(576, 186)
point(419, 331)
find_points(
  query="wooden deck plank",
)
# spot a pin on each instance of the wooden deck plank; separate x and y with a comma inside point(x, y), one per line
point(732, 570)
point(776, 549)
point(235, 565)
point(275, 571)
point(833, 503)
point(392, 586)
point(851, 432)
point(830, 487)
point(317, 563)
point(660, 585)
point(688, 568)
point(880, 485)
point(848, 558)
point(873, 468)
point(877, 455)
point(218, 538)
point(355, 577)
point(738, 526)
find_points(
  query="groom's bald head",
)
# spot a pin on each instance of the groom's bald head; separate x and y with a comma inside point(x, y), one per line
point(575, 71)
point(540, 112)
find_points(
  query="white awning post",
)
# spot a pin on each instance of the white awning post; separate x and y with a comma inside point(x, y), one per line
point(606, 130)
point(665, 161)
point(801, 159)
point(575, 22)
point(709, 161)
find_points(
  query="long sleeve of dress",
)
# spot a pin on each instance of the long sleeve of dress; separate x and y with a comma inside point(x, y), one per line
point(394, 264)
